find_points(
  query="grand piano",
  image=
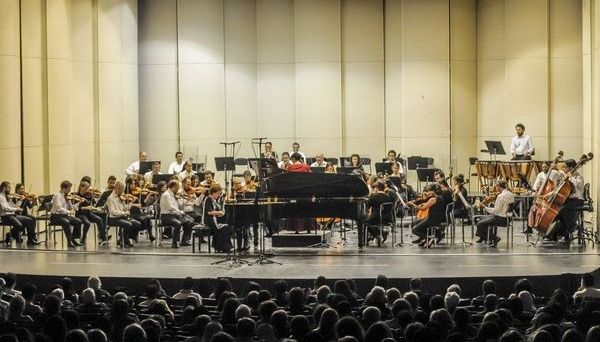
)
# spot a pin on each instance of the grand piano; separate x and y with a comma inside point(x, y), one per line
point(304, 195)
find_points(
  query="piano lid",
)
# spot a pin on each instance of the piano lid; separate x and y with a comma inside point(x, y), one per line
point(321, 185)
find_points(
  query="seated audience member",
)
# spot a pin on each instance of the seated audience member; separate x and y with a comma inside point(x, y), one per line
point(587, 290)
point(89, 305)
point(187, 290)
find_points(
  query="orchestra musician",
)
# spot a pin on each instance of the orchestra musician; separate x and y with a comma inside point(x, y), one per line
point(62, 213)
point(110, 183)
point(440, 178)
point(188, 197)
point(497, 216)
point(566, 220)
point(377, 198)
point(154, 171)
point(209, 179)
point(187, 170)
point(118, 214)
point(296, 149)
point(248, 185)
point(329, 168)
point(285, 161)
point(172, 215)
point(297, 164)
point(11, 215)
point(554, 175)
point(459, 196)
point(143, 198)
point(212, 210)
point(195, 180)
point(24, 200)
point(134, 167)
point(319, 161)
point(269, 153)
point(177, 165)
point(521, 146)
point(86, 214)
point(436, 208)
point(355, 161)
point(392, 158)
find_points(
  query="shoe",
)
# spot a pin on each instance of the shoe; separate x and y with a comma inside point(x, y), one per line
point(19, 241)
point(480, 240)
point(175, 245)
point(109, 237)
point(385, 236)
point(71, 245)
point(185, 244)
point(528, 231)
point(430, 243)
point(103, 243)
point(82, 242)
point(32, 242)
point(74, 242)
point(152, 238)
point(422, 243)
point(419, 240)
point(494, 242)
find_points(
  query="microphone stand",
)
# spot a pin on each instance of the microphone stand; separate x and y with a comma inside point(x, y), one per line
point(262, 257)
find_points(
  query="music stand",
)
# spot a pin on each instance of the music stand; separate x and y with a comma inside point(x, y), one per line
point(317, 169)
point(146, 166)
point(346, 170)
point(494, 148)
point(425, 176)
point(162, 177)
point(385, 168)
point(198, 167)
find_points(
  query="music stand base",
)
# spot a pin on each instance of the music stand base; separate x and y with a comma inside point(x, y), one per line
point(263, 260)
point(233, 259)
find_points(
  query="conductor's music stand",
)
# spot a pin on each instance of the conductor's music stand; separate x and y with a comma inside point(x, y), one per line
point(384, 168)
point(147, 166)
point(425, 176)
point(495, 148)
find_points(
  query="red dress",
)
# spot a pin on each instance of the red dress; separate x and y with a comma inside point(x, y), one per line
point(301, 167)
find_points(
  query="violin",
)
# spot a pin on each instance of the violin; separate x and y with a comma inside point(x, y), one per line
point(128, 197)
point(489, 198)
point(420, 199)
point(95, 192)
point(75, 198)
point(137, 191)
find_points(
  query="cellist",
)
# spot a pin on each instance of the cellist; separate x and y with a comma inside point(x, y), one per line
point(566, 220)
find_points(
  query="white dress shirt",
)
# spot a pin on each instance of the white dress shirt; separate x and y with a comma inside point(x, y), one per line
point(577, 180)
point(6, 206)
point(133, 168)
point(184, 174)
point(169, 204)
point(504, 199)
point(60, 205)
point(315, 164)
point(554, 176)
point(588, 292)
point(116, 207)
point(521, 144)
point(149, 175)
point(175, 167)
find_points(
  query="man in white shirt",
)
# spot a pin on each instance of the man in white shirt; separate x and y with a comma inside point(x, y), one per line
point(587, 289)
point(521, 146)
point(498, 214)
point(118, 216)
point(134, 168)
point(319, 161)
point(566, 220)
point(155, 171)
point(296, 149)
point(172, 215)
point(177, 165)
point(187, 290)
point(392, 158)
point(285, 161)
point(62, 211)
point(10, 215)
point(554, 175)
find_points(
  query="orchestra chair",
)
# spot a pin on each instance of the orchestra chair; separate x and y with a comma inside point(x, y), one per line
point(584, 234)
point(332, 160)
point(508, 224)
point(117, 229)
point(43, 214)
point(444, 226)
point(387, 218)
point(472, 161)
point(310, 160)
point(3, 236)
point(463, 220)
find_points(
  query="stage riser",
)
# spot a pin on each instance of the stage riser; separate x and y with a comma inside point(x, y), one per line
point(298, 240)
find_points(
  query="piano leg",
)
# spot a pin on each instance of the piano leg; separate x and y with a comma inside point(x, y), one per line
point(361, 234)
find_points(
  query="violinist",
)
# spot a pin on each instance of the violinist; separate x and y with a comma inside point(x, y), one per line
point(285, 161)
point(195, 181)
point(436, 209)
point(118, 215)
point(187, 196)
point(62, 213)
point(187, 170)
point(11, 215)
point(566, 220)
point(269, 153)
point(86, 214)
point(142, 199)
point(154, 171)
point(376, 199)
point(497, 216)
point(24, 200)
point(110, 183)
point(248, 185)
point(209, 179)
point(459, 196)
point(172, 215)
point(177, 165)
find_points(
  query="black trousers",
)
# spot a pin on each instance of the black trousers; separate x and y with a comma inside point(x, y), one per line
point(129, 227)
point(87, 218)
point(566, 220)
point(19, 223)
point(420, 228)
point(68, 223)
point(145, 221)
point(179, 222)
point(483, 226)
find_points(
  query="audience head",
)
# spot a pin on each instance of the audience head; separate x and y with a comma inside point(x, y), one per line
point(349, 326)
point(88, 296)
point(97, 335)
point(134, 333)
point(451, 300)
point(587, 280)
point(415, 284)
point(245, 327)
point(378, 332)
point(299, 327)
point(76, 335)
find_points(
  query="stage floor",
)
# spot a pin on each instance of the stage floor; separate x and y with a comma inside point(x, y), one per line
point(443, 261)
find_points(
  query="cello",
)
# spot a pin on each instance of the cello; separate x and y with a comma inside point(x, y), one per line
point(550, 205)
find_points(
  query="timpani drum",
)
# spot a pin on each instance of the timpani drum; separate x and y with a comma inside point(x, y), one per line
point(517, 174)
point(487, 171)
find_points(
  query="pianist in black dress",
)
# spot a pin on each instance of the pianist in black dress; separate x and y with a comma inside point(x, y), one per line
point(221, 233)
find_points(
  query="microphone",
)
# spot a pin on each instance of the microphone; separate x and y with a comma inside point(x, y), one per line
point(260, 138)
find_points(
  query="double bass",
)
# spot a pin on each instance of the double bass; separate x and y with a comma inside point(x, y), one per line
point(547, 208)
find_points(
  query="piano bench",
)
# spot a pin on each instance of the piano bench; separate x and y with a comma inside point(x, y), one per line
point(198, 232)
